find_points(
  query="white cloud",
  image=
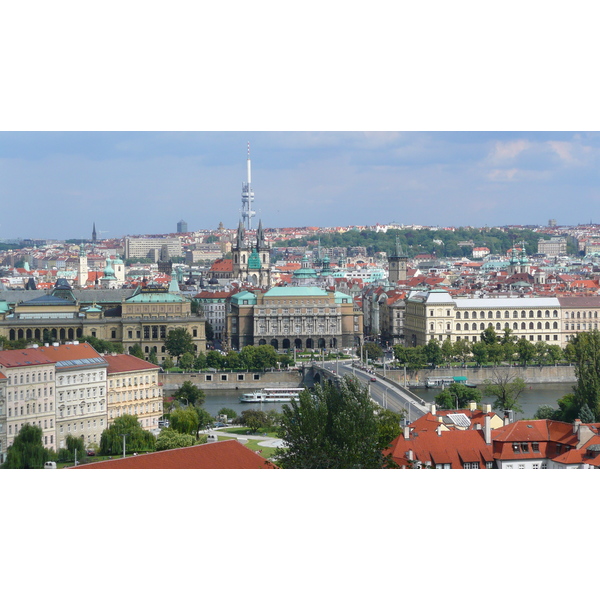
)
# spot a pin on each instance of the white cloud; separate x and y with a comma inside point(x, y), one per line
point(507, 151)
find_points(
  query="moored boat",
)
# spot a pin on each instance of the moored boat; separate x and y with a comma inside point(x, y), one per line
point(272, 395)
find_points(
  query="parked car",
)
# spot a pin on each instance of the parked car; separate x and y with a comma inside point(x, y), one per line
point(373, 378)
point(91, 453)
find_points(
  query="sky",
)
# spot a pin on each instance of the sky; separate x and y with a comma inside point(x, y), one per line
point(145, 182)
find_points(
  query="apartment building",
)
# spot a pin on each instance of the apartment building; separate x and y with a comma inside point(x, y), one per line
point(134, 389)
point(30, 395)
point(81, 401)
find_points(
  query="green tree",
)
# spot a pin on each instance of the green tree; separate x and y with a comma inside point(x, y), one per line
point(233, 360)
point(525, 351)
point(462, 349)
point(586, 348)
point(136, 440)
point(102, 346)
point(152, 357)
point(168, 363)
point(186, 361)
point(388, 426)
point(489, 336)
point(541, 352)
point(200, 361)
point(372, 351)
point(457, 394)
point(209, 332)
point(136, 350)
point(27, 450)
point(545, 412)
point(555, 353)
point(169, 438)
point(416, 358)
point(228, 412)
point(480, 353)
point(72, 444)
point(178, 342)
point(189, 393)
point(184, 420)
point(506, 388)
point(433, 353)
point(447, 350)
point(331, 428)
point(254, 419)
point(495, 353)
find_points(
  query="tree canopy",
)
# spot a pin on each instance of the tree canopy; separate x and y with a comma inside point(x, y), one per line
point(27, 450)
point(179, 341)
point(189, 393)
point(506, 388)
point(331, 428)
point(136, 440)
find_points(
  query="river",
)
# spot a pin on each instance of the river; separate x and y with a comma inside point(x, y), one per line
point(531, 399)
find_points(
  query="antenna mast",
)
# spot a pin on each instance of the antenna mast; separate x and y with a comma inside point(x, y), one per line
point(248, 196)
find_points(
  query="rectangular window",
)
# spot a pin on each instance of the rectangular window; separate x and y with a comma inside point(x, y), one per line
point(208, 378)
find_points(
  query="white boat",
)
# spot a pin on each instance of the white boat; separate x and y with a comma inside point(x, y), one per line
point(272, 395)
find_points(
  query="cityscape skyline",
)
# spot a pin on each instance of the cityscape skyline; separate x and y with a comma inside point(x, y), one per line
point(130, 181)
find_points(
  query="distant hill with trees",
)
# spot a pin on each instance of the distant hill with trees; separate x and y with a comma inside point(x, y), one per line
point(421, 241)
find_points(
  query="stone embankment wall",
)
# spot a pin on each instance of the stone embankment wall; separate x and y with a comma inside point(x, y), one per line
point(227, 380)
point(476, 375)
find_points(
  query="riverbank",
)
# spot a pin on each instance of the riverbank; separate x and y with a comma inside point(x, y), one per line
point(477, 375)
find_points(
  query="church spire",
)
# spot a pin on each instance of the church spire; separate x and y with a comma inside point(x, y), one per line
point(94, 234)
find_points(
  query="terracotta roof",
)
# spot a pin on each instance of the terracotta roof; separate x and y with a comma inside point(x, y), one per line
point(23, 358)
point(455, 447)
point(69, 352)
point(229, 454)
point(123, 363)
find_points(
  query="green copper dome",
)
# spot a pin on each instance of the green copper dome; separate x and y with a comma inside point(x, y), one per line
point(254, 260)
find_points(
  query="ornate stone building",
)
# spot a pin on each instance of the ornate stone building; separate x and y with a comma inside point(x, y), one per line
point(143, 316)
point(294, 317)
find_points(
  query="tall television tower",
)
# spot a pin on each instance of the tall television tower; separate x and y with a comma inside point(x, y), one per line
point(248, 197)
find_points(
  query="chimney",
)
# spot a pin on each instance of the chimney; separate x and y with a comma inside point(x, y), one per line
point(433, 409)
point(487, 408)
point(487, 429)
point(76, 343)
point(406, 432)
point(438, 430)
point(55, 344)
point(472, 405)
point(506, 418)
point(576, 425)
point(410, 455)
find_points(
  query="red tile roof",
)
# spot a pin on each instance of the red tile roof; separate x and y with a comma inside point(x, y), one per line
point(69, 352)
point(455, 447)
point(229, 454)
point(123, 363)
point(23, 358)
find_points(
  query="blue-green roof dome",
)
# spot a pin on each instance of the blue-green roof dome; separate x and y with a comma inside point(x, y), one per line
point(254, 260)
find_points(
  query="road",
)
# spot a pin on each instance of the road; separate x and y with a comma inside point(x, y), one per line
point(384, 393)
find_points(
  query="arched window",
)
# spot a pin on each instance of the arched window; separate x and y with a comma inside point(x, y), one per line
point(481, 315)
point(466, 327)
point(539, 314)
point(539, 325)
point(490, 314)
point(482, 326)
point(474, 315)
point(547, 314)
point(531, 314)
point(578, 315)
point(554, 314)
point(530, 325)
point(497, 314)
point(523, 314)
point(506, 314)
point(498, 326)
point(458, 315)
point(523, 326)
point(458, 327)
point(515, 314)
point(555, 325)
point(546, 325)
